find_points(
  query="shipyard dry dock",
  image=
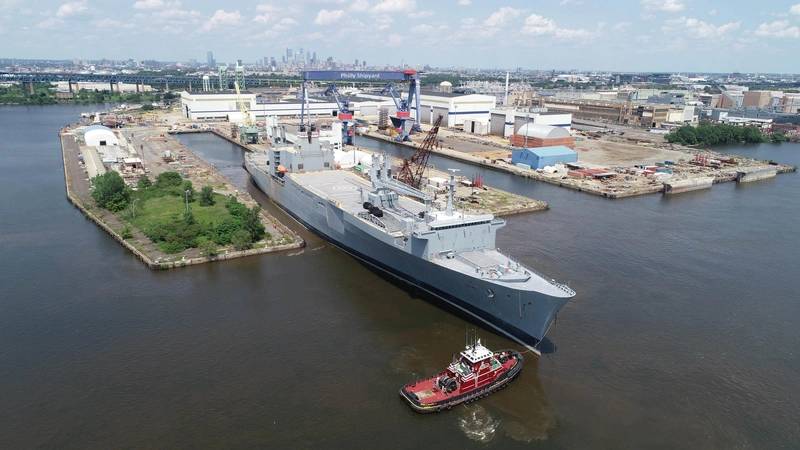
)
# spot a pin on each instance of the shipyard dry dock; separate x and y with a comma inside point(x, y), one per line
point(470, 196)
point(611, 169)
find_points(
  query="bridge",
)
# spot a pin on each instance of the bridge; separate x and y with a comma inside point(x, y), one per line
point(194, 81)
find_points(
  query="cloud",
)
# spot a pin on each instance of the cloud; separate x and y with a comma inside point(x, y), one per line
point(72, 8)
point(110, 23)
point(50, 22)
point(427, 28)
point(326, 17)
point(151, 4)
point(501, 17)
point(699, 29)
point(795, 9)
point(778, 29)
point(670, 6)
point(222, 18)
point(391, 6)
point(464, 2)
point(537, 25)
point(284, 24)
point(394, 40)
point(621, 26)
point(420, 14)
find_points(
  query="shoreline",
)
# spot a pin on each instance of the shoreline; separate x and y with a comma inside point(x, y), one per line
point(576, 184)
point(152, 261)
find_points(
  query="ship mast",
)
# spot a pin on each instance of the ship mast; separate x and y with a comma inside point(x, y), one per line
point(451, 191)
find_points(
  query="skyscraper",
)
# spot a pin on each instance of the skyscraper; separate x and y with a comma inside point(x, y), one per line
point(210, 59)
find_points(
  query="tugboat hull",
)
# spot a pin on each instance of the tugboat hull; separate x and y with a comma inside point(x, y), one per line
point(500, 382)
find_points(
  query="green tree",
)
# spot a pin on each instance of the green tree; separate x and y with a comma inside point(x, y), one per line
point(207, 196)
point(252, 223)
point(144, 182)
point(168, 179)
point(223, 232)
point(147, 107)
point(110, 192)
point(778, 137)
point(241, 240)
point(209, 248)
point(188, 190)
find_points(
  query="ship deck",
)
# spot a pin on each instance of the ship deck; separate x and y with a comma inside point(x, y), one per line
point(344, 188)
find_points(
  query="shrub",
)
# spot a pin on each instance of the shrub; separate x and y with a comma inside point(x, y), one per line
point(186, 186)
point(110, 192)
point(241, 240)
point(144, 182)
point(168, 179)
point(207, 196)
point(208, 248)
point(223, 233)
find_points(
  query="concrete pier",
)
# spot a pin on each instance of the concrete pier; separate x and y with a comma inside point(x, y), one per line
point(687, 185)
point(760, 173)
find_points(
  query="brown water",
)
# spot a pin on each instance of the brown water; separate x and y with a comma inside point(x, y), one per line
point(683, 335)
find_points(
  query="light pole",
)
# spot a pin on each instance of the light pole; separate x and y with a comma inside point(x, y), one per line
point(186, 196)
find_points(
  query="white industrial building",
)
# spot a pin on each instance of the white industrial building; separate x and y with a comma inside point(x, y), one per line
point(453, 107)
point(98, 135)
point(506, 122)
point(223, 106)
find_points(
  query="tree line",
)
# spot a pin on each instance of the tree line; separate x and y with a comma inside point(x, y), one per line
point(711, 134)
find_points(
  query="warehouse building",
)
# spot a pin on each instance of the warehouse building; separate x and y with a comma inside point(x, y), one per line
point(539, 158)
point(223, 106)
point(454, 107)
point(506, 122)
point(620, 112)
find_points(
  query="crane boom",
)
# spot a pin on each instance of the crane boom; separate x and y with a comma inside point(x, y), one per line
point(413, 168)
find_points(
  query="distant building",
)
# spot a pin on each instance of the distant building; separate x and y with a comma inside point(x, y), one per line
point(648, 115)
point(210, 61)
point(756, 99)
point(539, 158)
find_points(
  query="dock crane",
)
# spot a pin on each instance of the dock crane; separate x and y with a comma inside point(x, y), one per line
point(345, 114)
point(248, 131)
point(413, 168)
point(370, 76)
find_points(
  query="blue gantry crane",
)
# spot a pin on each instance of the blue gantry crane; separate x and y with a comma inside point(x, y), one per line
point(371, 76)
point(345, 114)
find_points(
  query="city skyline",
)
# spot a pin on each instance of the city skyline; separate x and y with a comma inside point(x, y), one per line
point(645, 35)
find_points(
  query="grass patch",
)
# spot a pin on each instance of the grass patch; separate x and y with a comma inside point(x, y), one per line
point(159, 210)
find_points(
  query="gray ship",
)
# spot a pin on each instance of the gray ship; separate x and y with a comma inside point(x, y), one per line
point(393, 227)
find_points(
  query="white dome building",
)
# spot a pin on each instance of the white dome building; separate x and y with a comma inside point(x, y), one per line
point(533, 130)
point(99, 136)
point(446, 86)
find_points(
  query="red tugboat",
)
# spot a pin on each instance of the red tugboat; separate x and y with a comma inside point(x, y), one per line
point(477, 373)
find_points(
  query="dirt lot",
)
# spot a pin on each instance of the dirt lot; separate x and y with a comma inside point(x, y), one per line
point(610, 151)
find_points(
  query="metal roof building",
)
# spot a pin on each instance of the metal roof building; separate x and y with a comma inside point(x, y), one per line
point(541, 157)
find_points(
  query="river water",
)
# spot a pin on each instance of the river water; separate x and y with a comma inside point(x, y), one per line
point(684, 332)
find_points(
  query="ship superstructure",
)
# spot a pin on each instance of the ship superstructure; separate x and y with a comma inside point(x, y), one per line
point(395, 227)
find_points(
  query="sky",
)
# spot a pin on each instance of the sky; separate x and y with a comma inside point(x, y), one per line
point(614, 35)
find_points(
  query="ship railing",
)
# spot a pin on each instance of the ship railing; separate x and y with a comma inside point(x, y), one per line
point(372, 219)
point(561, 286)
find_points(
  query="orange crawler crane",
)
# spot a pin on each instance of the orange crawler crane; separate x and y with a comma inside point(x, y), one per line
point(413, 168)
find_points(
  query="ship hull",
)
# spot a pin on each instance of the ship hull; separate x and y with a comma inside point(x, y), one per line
point(524, 316)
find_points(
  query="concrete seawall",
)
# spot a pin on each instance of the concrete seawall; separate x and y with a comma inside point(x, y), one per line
point(70, 178)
